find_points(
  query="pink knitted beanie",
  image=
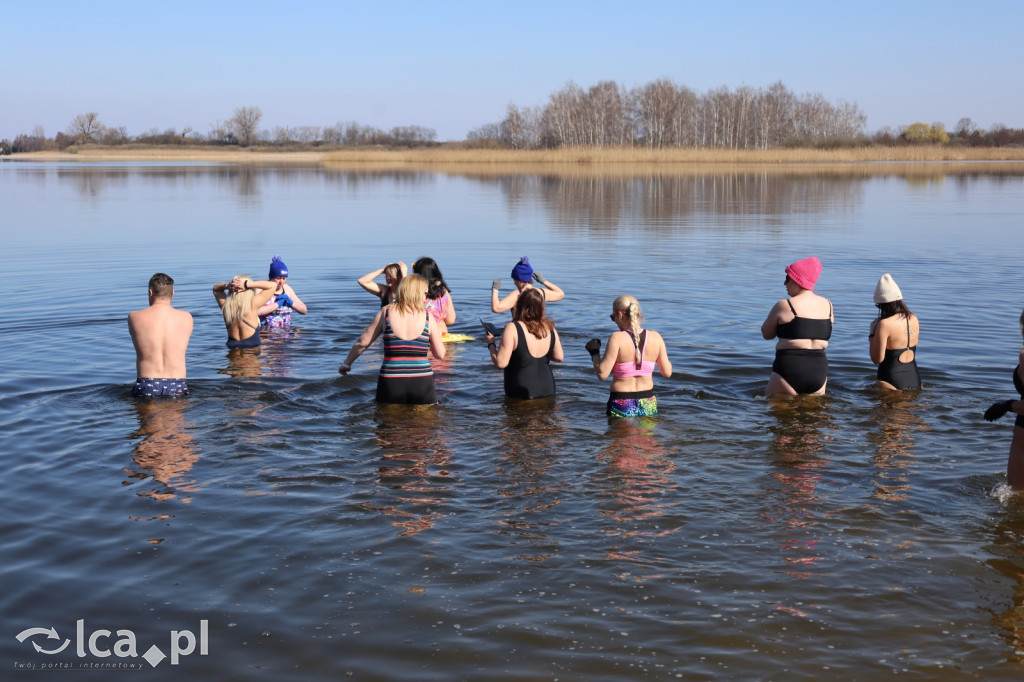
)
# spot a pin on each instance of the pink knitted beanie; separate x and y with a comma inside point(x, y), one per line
point(805, 272)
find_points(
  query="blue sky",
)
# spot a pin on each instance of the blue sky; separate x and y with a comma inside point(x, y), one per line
point(453, 66)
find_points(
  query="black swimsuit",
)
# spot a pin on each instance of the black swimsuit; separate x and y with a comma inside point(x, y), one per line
point(251, 342)
point(805, 369)
point(902, 375)
point(526, 376)
point(1020, 389)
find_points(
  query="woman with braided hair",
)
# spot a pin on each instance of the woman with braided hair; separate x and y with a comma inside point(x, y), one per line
point(630, 358)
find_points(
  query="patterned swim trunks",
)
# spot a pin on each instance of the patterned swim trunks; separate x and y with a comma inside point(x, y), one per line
point(638, 404)
point(149, 388)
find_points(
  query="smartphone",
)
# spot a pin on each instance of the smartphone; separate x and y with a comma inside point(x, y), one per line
point(490, 328)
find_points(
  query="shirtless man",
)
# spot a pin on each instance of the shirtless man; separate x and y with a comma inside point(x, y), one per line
point(160, 334)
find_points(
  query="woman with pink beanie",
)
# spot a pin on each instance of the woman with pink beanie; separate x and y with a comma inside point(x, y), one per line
point(803, 325)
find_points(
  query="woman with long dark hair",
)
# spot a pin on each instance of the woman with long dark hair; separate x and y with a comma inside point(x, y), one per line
point(893, 339)
point(528, 344)
point(439, 297)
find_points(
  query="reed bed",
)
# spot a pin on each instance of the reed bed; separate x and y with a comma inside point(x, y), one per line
point(928, 161)
point(636, 155)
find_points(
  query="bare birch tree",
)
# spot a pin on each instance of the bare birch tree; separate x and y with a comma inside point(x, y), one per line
point(244, 124)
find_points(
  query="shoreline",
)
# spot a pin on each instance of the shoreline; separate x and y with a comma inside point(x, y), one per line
point(927, 160)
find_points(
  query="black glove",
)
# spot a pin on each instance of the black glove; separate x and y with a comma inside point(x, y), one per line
point(539, 277)
point(496, 285)
point(997, 410)
point(594, 347)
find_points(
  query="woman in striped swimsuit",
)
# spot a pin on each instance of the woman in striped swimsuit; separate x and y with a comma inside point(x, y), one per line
point(409, 335)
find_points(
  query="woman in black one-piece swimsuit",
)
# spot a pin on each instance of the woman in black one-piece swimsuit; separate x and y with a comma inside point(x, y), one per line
point(896, 358)
point(1015, 464)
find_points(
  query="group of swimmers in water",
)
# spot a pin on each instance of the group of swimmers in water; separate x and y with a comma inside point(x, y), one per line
point(416, 309)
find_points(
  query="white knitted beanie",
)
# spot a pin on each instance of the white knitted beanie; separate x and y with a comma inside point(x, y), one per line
point(887, 291)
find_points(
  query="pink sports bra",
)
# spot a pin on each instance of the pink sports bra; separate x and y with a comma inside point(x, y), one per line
point(644, 368)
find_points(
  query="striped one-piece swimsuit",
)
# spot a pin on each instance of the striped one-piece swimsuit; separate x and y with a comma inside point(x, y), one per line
point(405, 375)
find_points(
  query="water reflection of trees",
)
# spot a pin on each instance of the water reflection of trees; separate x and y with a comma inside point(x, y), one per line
point(595, 196)
point(244, 181)
point(659, 199)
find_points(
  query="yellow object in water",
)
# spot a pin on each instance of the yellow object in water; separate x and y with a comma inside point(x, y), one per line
point(457, 338)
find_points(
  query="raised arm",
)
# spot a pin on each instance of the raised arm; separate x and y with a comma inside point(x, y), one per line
point(265, 290)
point(554, 293)
point(367, 281)
point(220, 292)
point(500, 306)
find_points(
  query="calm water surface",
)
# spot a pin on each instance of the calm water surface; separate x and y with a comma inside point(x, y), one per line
point(322, 536)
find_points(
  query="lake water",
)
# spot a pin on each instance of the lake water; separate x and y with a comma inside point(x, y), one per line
point(321, 536)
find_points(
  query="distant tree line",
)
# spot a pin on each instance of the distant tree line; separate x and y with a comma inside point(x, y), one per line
point(242, 129)
point(965, 134)
point(657, 115)
point(663, 114)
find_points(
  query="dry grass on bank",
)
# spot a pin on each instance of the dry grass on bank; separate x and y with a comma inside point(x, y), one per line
point(181, 154)
point(917, 160)
point(632, 155)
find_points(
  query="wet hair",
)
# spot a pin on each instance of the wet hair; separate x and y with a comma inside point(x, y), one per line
point(1022, 323)
point(428, 270)
point(635, 316)
point(237, 303)
point(892, 308)
point(411, 294)
point(161, 285)
point(530, 311)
